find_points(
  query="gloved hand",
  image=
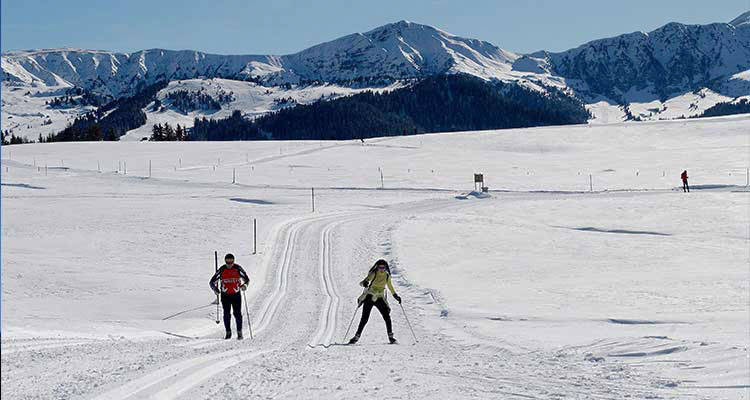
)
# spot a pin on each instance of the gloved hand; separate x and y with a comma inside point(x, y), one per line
point(243, 287)
point(364, 283)
point(397, 297)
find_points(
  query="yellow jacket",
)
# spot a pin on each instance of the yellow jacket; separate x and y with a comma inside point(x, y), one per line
point(379, 280)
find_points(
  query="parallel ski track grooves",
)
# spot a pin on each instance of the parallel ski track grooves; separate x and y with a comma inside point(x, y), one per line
point(282, 280)
point(203, 374)
point(328, 317)
point(271, 306)
point(203, 367)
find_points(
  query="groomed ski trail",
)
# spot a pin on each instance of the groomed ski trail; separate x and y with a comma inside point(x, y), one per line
point(324, 336)
point(179, 377)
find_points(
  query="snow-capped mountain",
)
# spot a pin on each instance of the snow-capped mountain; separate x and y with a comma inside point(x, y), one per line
point(664, 62)
point(672, 71)
point(395, 51)
point(118, 74)
point(399, 50)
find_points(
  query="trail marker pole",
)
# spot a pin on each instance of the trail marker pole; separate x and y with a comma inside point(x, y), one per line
point(149, 168)
point(255, 236)
point(382, 183)
point(591, 183)
point(98, 166)
point(747, 177)
point(179, 161)
point(234, 175)
point(312, 194)
point(125, 166)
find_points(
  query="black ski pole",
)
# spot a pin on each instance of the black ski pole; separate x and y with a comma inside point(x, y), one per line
point(408, 323)
point(352, 321)
point(247, 313)
point(216, 268)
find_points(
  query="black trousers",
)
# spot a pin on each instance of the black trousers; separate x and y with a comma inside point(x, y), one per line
point(232, 304)
point(685, 187)
point(382, 306)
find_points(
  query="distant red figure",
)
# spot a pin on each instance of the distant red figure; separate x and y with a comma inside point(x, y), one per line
point(684, 177)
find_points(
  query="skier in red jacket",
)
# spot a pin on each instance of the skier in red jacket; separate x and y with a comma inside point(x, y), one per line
point(230, 276)
point(684, 177)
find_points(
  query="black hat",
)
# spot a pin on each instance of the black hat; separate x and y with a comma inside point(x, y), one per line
point(229, 256)
point(381, 262)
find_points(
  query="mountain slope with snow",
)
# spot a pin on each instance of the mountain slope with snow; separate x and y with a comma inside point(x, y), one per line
point(674, 71)
point(672, 59)
point(395, 51)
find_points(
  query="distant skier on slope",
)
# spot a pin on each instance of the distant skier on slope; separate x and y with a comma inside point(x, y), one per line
point(684, 177)
point(374, 295)
point(230, 276)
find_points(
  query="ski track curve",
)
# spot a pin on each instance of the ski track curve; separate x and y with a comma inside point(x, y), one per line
point(288, 233)
point(202, 374)
point(328, 320)
point(281, 283)
point(185, 374)
point(329, 313)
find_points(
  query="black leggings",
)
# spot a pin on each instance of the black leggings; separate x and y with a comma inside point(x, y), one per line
point(232, 302)
point(382, 306)
point(685, 186)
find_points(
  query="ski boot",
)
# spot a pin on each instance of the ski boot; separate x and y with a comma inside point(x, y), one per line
point(228, 335)
point(391, 339)
point(239, 335)
point(354, 340)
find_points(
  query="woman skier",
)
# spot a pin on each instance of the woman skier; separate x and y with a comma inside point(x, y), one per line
point(231, 277)
point(374, 295)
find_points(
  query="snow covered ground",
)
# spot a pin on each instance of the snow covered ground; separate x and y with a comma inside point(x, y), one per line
point(25, 113)
point(542, 289)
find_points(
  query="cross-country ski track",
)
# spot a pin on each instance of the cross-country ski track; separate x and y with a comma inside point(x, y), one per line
point(555, 285)
point(305, 264)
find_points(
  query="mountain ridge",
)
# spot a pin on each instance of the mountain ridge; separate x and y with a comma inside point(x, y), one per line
point(633, 75)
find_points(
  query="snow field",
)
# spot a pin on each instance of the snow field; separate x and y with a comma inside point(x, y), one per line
point(540, 290)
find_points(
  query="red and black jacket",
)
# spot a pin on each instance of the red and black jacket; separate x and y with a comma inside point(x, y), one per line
point(229, 279)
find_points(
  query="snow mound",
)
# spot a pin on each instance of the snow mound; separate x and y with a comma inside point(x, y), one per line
point(474, 194)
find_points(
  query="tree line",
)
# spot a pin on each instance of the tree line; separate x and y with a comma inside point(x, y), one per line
point(726, 108)
point(444, 103)
point(112, 120)
point(165, 133)
point(186, 101)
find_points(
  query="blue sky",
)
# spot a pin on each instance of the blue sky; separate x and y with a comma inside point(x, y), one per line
point(282, 27)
